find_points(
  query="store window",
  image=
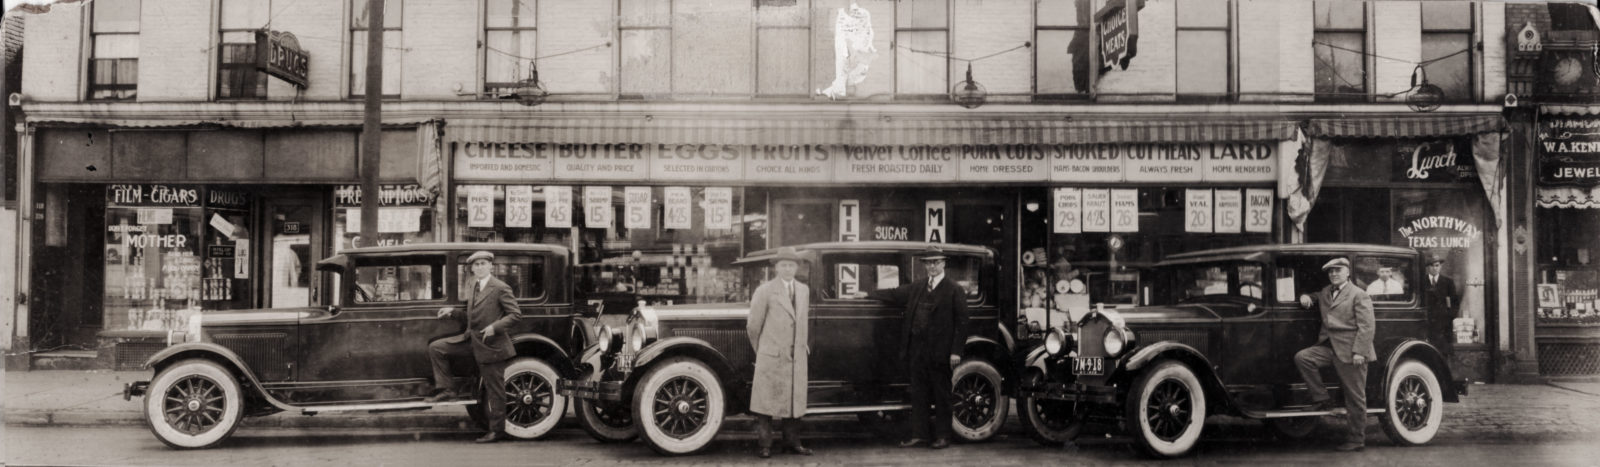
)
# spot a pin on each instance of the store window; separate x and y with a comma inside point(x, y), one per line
point(399, 279)
point(393, 47)
point(1061, 61)
point(645, 27)
point(783, 48)
point(510, 35)
point(114, 63)
point(405, 216)
point(227, 261)
point(1205, 52)
point(1569, 278)
point(153, 256)
point(1448, 224)
point(922, 45)
point(1340, 47)
point(1447, 54)
point(237, 76)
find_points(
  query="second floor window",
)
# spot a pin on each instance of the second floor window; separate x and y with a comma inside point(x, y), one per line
point(783, 41)
point(510, 37)
point(1340, 43)
point(1447, 48)
point(646, 48)
point(1204, 52)
point(1061, 61)
point(237, 76)
point(921, 56)
point(114, 66)
point(392, 47)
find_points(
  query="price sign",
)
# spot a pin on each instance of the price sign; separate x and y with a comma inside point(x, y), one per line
point(480, 206)
point(399, 220)
point(1096, 210)
point(1068, 210)
point(678, 204)
point(155, 216)
point(1125, 210)
point(637, 202)
point(1197, 211)
point(597, 213)
point(558, 206)
point(719, 208)
point(519, 206)
point(1258, 210)
point(1227, 217)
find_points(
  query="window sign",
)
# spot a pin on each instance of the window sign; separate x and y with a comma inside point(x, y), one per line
point(1197, 211)
point(934, 221)
point(678, 204)
point(597, 211)
point(1441, 160)
point(1258, 210)
point(1125, 210)
point(849, 220)
point(480, 206)
point(1569, 149)
point(1229, 208)
point(637, 202)
point(1069, 210)
point(155, 216)
point(519, 206)
point(558, 207)
point(1096, 210)
point(719, 208)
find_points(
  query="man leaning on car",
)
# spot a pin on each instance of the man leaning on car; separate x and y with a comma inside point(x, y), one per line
point(491, 313)
point(1345, 343)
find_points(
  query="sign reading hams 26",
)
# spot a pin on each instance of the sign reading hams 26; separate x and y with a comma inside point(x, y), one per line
point(279, 54)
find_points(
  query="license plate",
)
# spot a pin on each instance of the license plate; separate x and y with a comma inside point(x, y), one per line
point(1089, 366)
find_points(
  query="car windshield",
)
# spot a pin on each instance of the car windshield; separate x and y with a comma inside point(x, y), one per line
point(1234, 280)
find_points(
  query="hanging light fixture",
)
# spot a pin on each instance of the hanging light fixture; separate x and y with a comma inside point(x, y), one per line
point(1425, 97)
point(530, 91)
point(969, 93)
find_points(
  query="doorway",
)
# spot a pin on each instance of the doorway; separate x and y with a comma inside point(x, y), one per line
point(292, 246)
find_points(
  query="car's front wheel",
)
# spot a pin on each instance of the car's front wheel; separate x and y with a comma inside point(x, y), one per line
point(978, 405)
point(1048, 422)
point(1166, 410)
point(1412, 404)
point(193, 404)
point(606, 421)
point(678, 406)
point(533, 407)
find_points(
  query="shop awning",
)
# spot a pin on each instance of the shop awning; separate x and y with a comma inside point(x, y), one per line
point(892, 131)
point(1405, 127)
point(1573, 197)
point(1570, 109)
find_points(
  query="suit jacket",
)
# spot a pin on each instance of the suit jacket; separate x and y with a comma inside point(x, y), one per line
point(1347, 322)
point(946, 330)
point(494, 306)
point(780, 333)
point(1442, 298)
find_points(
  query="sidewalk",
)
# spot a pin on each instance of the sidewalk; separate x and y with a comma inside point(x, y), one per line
point(94, 398)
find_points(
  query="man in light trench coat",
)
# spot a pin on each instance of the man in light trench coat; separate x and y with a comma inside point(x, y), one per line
point(778, 331)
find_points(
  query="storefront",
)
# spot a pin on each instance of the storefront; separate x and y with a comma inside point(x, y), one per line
point(1567, 216)
point(1432, 184)
point(142, 228)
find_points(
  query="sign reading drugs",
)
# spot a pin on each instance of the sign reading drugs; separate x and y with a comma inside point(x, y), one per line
point(279, 54)
point(1229, 206)
point(1096, 210)
point(849, 220)
point(1125, 210)
point(1197, 211)
point(519, 206)
point(935, 218)
point(637, 199)
point(558, 207)
point(597, 211)
point(480, 206)
point(719, 208)
point(1068, 211)
point(678, 204)
point(1258, 210)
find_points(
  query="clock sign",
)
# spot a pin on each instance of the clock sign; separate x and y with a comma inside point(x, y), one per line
point(1565, 72)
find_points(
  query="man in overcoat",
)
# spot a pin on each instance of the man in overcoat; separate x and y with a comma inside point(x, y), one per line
point(1345, 343)
point(779, 331)
point(935, 331)
point(1444, 304)
point(491, 314)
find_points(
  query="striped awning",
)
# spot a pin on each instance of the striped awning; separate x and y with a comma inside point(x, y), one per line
point(1405, 127)
point(1570, 109)
point(890, 131)
point(1574, 197)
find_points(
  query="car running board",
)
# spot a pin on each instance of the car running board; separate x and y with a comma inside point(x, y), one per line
point(1299, 413)
point(858, 409)
point(383, 407)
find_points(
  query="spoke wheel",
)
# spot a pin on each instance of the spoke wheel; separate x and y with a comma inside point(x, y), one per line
point(678, 406)
point(193, 404)
point(1166, 410)
point(532, 406)
point(1413, 412)
point(1048, 422)
point(977, 404)
point(606, 421)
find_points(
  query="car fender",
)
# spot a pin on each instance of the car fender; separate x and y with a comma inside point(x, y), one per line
point(692, 347)
point(1428, 355)
point(544, 348)
point(216, 353)
point(1183, 353)
point(995, 353)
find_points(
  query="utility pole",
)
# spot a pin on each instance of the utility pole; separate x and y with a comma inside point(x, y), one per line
point(372, 126)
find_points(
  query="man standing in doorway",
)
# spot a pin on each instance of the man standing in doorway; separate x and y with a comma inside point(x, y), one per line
point(934, 334)
point(1443, 302)
point(1345, 343)
point(491, 314)
point(779, 331)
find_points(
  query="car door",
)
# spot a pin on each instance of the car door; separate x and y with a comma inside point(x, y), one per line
point(361, 351)
point(855, 340)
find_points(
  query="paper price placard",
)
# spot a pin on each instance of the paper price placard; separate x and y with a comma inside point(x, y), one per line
point(1197, 215)
point(480, 206)
point(1068, 211)
point(1258, 210)
point(1229, 212)
point(558, 206)
point(678, 206)
point(597, 213)
point(719, 208)
point(637, 207)
point(1096, 210)
point(1125, 210)
point(519, 206)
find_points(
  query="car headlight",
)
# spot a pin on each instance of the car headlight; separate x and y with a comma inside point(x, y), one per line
point(1115, 342)
point(636, 336)
point(192, 328)
point(1054, 342)
point(603, 337)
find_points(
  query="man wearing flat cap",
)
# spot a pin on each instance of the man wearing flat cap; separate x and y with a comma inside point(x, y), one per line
point(491, 314)
point(779, 330)
point(1443, 301)
point(934, 333)
point(1345, 343)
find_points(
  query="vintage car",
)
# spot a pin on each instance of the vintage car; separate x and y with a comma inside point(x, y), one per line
point(1221, 340)
point(687, 367)
point(366, 349)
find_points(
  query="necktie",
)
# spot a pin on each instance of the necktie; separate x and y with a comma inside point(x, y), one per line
point(1335, 295)
point(791, 293)
point(930, 284)
point(479, 288)
point(1433, 280)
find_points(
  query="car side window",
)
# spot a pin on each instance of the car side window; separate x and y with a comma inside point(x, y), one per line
point(1386, 279)
point(1299, 275)
point(966, 271)
point(524, 273)
point(847, 275)
point(399, 279)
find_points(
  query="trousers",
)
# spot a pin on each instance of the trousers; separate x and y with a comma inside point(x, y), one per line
point(493, 375)
point(1352, 378)
point(930, 386)
point(789, 426)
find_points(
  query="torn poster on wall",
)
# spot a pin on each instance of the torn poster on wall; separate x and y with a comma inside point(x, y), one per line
point(852, 50)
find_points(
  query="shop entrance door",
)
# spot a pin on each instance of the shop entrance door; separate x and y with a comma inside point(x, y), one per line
point(290, 251)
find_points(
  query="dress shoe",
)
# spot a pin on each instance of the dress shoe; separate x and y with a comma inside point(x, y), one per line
point(911, 442)
point(441, 397)
point(1350, 447)
point(488, 438)
point(798, 449)
point(765, 453)
point(1326, 406)
point(940, 443)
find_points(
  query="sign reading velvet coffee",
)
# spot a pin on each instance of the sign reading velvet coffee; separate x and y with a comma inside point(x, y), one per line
point(1569, 149)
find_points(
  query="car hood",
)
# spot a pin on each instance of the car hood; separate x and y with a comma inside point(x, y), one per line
point(264, 316)
point(1167, 314)
point(701, 311)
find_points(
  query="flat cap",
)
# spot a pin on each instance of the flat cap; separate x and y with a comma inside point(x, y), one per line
point(483, 255)
point(1337, 263)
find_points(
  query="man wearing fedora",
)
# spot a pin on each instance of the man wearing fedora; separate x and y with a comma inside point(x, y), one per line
point(1443, 302)
point(491, 314)
point(1345, 343)
point(935, 330)
point(778, 329)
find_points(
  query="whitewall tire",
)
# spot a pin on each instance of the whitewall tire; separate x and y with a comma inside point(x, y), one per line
point(1413, 408)
point(533, 408)
point(678, 406)
point(1166, 410)
point(193, 404)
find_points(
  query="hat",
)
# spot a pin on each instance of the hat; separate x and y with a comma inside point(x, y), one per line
point(785, 254)
point(1435, 258)
point(931, 253)
point(483, 255)
point(1337, 263)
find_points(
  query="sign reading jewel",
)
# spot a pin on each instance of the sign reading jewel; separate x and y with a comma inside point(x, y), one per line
point(1569, 149)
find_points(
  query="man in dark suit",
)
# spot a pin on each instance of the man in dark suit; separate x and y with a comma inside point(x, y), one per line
point(934, 334)
point(491, 314)
point(1345, 343)
point(1443, 302)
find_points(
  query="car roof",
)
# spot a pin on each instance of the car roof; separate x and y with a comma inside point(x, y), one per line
point(1260, 252)
point(809, 250)
point(341, 260)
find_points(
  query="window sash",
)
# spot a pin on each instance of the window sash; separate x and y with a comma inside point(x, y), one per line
point(114, 16)
point(1340, 74)
point(391, 63)
point(919, 73)
point(508, 57)
point(511, 14)
point(1056, 70)
point(1200, 72)
point(1453, 75)
point(113, 78)
point(392, 14)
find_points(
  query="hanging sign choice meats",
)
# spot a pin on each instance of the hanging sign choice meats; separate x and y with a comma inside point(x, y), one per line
point(1569, 149)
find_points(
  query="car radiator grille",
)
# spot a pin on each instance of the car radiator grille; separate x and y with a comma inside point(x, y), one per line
point(266, 353)
point(734, 344)
point(1091, 338)
point(1196, 339)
